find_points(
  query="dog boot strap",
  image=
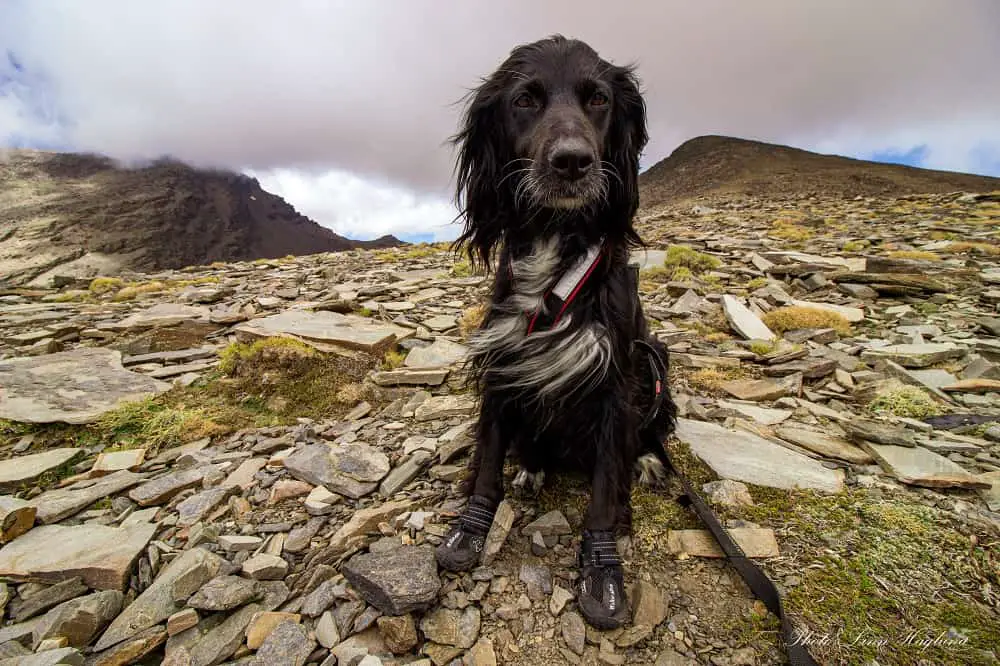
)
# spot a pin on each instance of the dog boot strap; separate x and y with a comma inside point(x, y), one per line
point(478, 516)
point(464, 545)
point(602, 581)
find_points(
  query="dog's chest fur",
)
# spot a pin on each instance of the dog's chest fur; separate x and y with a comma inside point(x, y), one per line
point(545, 364)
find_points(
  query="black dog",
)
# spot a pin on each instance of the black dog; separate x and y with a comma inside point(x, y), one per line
point(567, 373)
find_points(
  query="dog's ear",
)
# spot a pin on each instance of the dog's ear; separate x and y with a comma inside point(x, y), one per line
point(480, 194)
point(627, 137)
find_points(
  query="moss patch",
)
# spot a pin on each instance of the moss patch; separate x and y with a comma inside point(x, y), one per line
point(790, 231)
point(393, 359)
point(907, 401)
point(682, 256)
point(461, 268)
point(971, 247)
point(290, 378)
point(155, 425)
point(711, 379)
point(918, 255)
point(471, 319)
point(104, 285)
point(793, 317)
point(763, 347)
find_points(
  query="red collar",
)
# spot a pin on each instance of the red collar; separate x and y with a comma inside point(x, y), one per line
point(557, 299)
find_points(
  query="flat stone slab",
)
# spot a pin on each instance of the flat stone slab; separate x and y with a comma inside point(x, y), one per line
point(162, 315)
point(161, 489)
point(919, 467)
point(350, 331)
point(444, 406)
point(915, 355)
point(764, 389)
point(440, 354)
point(75, 386)
point(26, 469)
point(440, 323)
point(113, 461)
point(743, 321)
point(184, 576)
point(411, 377)
point(352, 470)
point(764, 415)
point(742, 456)
point(824, 444)
point(59, 503)
point(402, 580)
point(101, 556)
point(755, 542)
point(648, 258)
point(991, 495)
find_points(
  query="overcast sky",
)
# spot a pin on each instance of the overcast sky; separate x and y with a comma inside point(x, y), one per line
point(344, 108)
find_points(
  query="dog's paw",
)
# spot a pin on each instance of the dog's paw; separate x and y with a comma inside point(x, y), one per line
point(601, 592)
point(651, 471)
point(463, 547)
point(527, 485)
point(460, 551)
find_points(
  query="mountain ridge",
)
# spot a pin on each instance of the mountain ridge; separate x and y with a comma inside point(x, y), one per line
point(82, 213)
point(718, 166)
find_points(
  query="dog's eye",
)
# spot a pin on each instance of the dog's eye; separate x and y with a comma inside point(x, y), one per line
point(524, 101)
point(598, 99)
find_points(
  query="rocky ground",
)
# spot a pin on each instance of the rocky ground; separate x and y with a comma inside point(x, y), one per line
point(252, 463)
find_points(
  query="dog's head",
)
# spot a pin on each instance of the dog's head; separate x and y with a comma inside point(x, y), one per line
point(554, 133)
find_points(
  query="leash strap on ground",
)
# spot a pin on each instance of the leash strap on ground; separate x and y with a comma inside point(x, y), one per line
point(755, 578)
point(758, 582)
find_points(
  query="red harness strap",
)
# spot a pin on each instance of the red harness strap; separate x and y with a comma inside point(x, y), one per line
point(557, 299)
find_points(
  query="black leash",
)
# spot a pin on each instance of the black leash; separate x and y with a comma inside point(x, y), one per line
point(755, 578)
point(758, 582)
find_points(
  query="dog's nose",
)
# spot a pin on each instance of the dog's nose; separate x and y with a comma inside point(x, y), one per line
point(572, 159)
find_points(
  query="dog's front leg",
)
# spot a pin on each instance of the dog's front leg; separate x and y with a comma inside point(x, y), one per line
point(463, 546)
point(602, 586)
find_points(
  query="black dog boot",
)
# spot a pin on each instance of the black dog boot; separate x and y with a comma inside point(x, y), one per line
point(602, 581)
point(464, 544)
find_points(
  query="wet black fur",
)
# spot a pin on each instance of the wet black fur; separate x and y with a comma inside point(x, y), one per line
point(595, 432)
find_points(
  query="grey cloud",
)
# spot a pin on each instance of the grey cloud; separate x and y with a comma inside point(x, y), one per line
point(372, 87)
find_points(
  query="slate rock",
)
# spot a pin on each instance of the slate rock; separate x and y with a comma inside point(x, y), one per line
point(23, 470)
point(177, 581)
point(223, 640)
point(224, 593)
point(132, 650)
point(403, 580)
point(79, 620)
point(446, 626)
point(742, 456)
point(350, 331)
point(743, 321)
point(61, 503)
point(266, 567)
point(21, 608)
point(101, 556)
point(76, 386)
point(352, 470)
point(288, 644)
point(17, 516)
point(162, 489)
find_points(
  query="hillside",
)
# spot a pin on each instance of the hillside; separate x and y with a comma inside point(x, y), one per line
point(80, 215)
point(252, 463)
point(726, 167)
